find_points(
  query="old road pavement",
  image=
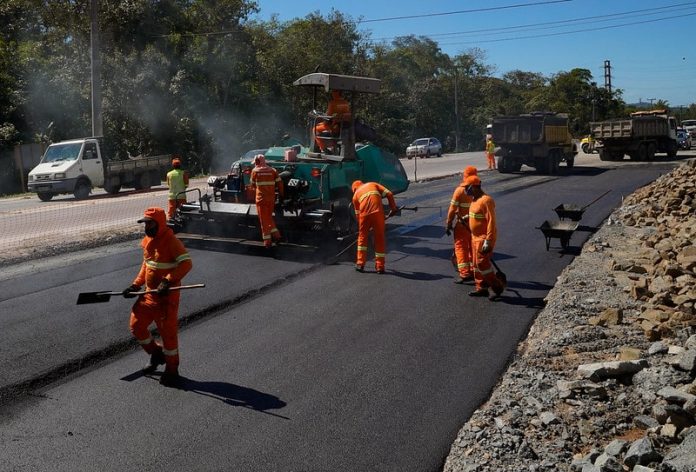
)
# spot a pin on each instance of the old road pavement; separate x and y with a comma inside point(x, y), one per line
point(290, 363)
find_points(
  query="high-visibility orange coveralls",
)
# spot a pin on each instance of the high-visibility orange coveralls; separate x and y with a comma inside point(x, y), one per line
point(264, 181)
point(483, 228)
point(458, 209)
point(339, 109)
point(164, 257)
point(177, 181)
point(367, 201)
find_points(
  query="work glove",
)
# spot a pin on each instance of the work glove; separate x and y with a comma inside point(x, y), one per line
point(486, 247)
point(393, 212)
point(128, 293)
point(448, 230)
point(163, 287)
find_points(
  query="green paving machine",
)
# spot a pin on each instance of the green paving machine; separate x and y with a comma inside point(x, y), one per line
point(316, 176)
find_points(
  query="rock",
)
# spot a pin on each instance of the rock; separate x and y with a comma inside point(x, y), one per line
point(548, 418)
point(685, 361)
point(629, 353)
point(673, 395)
point(679, 417)
point(642, 468)
point(657, 348)
point(607, 463)
point(682, 458)
point(641, 452)
point(603, 370)
point(647, 422)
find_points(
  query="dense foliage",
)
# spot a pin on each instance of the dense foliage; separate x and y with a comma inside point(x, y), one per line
point(201, 79)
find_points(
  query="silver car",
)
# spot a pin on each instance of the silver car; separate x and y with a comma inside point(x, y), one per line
point(424, 147)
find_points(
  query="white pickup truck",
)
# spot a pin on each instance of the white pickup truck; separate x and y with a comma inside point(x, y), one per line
point(78, 165)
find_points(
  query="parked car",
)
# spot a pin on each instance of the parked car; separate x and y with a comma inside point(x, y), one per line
point(690, 127)
point(684, 140)
point(424, 147)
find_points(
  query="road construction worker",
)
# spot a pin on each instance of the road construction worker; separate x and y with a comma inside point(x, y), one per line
point(165, 263)
point(264, 181)
point(177, 181)
point(490, 153)
point(367, 201)
point(338, 109)
point(484, 234)
point(457, 220)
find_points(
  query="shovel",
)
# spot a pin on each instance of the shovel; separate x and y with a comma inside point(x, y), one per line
point(103, 297)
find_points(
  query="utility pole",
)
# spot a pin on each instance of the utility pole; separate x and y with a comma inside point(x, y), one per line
point(456, 111)
point(607, 75)
point(95, 70)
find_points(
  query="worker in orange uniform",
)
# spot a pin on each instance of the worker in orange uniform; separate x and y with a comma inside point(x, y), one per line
point(490, 153)
point(367, 201)
point(264, 181)
point(165, 263)
point(177, 181)
point(457, 220)
point(483, 234)
point(338, 110)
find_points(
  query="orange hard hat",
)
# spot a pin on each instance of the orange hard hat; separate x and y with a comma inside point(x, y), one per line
point(472, 180)
point(470, 170)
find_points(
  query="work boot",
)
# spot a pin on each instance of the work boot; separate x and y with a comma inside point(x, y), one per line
point(380, 270)
point(156, 359)
point(360, 268)
point(170, 378)
point(461, 280)
point(497, 291)
point(479, 292)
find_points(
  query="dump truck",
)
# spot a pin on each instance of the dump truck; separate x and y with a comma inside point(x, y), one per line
point(539, 139)
point(641, 136)
point(317, 183)
point(77, 166)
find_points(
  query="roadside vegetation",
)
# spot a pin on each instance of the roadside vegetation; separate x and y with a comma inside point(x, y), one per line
point(208, 81)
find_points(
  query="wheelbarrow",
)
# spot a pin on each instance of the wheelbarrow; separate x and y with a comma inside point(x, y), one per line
point(574, 212)
point(562, 230)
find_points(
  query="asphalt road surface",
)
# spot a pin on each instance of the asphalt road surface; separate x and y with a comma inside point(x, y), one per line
point(289, 363)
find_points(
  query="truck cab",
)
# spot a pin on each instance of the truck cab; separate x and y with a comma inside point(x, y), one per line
point(73, 166)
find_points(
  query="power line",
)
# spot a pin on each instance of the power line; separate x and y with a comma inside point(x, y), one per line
point(475, 10)
point(607, 17)
point(568, 32)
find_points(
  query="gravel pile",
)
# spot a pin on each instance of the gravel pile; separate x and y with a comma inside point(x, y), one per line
point(605, 381)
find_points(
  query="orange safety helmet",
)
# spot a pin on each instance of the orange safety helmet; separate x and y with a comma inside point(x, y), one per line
point(472, 180)
point(469, 170)
point(356, 185)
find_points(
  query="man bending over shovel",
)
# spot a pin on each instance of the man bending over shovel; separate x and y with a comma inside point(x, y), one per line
point(165, 263)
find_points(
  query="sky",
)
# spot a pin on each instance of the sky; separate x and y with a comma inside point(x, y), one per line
point(649, 43)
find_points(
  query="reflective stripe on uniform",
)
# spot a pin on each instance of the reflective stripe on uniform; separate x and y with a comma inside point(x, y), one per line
point(161, 265)
point(362, 248)
point(261, 183)
point(170, 352)
point(380, 254)
point(385, 193)
point(464, 265)
point(487, 271)
point(275, 230)
point(145, 342)
point(478, 216)
point(183, 257)
point(367, 194)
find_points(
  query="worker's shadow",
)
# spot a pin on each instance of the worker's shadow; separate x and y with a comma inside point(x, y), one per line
point(228, 393)
point(234, 395)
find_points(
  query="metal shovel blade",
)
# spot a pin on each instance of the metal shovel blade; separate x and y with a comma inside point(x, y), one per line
point(95, 297)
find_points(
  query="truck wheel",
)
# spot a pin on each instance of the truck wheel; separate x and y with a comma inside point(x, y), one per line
point(672, 150)
point(82, 190)
point(113, 189)
point(143, 181)
point(503, 164)
point(604, 155)
point(585, 148)
point(652, 148)
point(642, 153)
point(570, 162)
point(45, 196)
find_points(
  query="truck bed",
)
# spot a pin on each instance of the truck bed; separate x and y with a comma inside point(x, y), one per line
point(639, 127)
point(140, 163)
